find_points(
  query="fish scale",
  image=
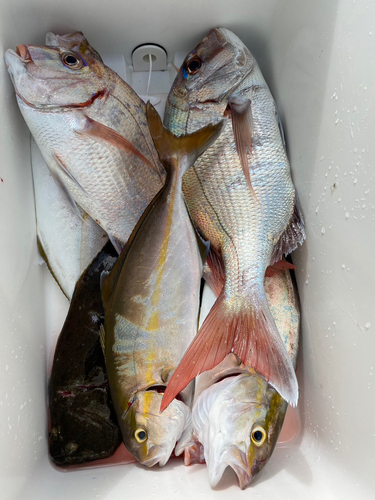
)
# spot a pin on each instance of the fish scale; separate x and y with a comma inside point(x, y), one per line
point(250, 222)
point(151, 301)
point(232, 400)
point(92, 132)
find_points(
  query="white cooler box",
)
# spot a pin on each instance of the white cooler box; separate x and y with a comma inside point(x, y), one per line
point(318, 59)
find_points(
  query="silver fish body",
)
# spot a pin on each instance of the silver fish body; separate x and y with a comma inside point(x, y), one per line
point(151, 301)
point(69, 242)
point(91, 129)
point(249, 226)
point(234, 405)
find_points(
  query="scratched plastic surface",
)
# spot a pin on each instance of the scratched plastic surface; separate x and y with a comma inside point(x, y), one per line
point(317, 58)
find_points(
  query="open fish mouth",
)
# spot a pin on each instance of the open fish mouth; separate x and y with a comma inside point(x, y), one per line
point(155, 455)
point(236, 459)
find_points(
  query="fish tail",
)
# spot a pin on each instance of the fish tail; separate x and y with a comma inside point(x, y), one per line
point(173, 149)
point(251, 334)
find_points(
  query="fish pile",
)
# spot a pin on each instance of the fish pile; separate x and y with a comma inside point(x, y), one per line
point(131, 214)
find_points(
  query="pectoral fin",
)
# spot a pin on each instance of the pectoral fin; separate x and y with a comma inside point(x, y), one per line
point(62, 186)
point(242, 123)
point(99, 131)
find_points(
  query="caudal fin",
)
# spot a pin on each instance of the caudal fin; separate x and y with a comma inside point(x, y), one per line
point(251, 334)
point(171, 148)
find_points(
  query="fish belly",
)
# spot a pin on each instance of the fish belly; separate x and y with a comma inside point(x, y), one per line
point(153, 316)
point(112, 186)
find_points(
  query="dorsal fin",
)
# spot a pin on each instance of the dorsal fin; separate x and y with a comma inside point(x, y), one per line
point(293, 234)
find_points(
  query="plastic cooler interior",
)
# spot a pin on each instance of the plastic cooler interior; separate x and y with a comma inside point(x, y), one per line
point(317, 57)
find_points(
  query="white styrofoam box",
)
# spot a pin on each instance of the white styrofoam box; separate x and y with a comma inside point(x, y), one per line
point(317, 57)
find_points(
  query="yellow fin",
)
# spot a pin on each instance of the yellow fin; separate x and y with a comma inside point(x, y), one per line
point(172, 148)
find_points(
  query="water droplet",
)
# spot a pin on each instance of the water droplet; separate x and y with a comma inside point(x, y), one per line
point(367, 325)
point(347, 215)
point(323, 230)
point(343, 266)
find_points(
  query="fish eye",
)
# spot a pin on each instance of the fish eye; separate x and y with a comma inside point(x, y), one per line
point(194, 65)
point(258, 435)
point(140, 435)
point(71, 61)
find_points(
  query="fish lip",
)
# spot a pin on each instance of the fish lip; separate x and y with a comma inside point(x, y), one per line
point(9, 55)
point(23, 58)
point(241, 469)
point(154, 456)
point(23, 53)
point(236, 459)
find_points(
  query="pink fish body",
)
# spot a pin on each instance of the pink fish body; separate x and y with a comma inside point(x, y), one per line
point(242, 199)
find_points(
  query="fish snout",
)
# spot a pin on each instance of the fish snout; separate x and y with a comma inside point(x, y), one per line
point(230, 457)
point(154, 456)
point(23, 52)
point(237, 460)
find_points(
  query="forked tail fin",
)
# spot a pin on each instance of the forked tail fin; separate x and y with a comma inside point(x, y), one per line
point(251, 334)
point(171, 149)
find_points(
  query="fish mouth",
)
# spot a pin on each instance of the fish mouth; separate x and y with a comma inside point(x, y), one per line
point(155, 455)
point(23, 52)
point(236, 459)
point(14, 62)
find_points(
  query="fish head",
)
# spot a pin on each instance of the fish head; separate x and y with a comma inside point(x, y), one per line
point(49, 78)
point(151, 436)
point(238, 421)
point(211, 72)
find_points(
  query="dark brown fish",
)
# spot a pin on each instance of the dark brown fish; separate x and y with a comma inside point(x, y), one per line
point(83, 422)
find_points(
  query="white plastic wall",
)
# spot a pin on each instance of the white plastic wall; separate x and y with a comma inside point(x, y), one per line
point(318, 57)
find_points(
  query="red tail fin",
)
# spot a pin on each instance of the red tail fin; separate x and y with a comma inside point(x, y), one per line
point(251, 334)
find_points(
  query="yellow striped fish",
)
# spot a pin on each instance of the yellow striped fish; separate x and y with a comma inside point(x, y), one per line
point(151, 302)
